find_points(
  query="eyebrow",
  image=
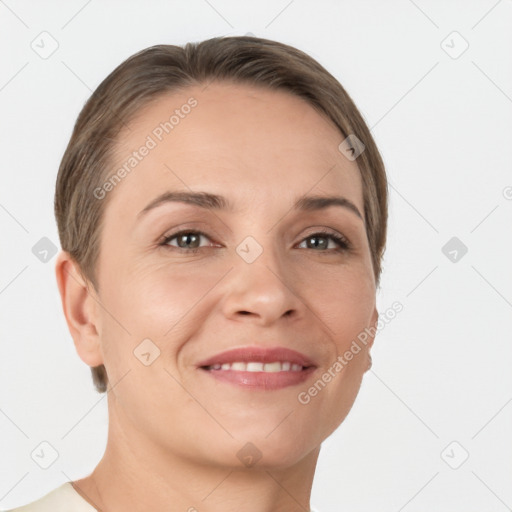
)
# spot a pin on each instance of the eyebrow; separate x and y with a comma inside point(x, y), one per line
point(210, 201)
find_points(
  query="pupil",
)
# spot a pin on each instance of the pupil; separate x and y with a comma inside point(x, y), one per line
point(322, 243)
point(187, 237)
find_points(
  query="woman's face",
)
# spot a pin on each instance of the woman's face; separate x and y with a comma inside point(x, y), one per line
point(259, 279)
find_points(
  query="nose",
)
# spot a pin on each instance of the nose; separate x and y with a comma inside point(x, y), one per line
point(262, 291)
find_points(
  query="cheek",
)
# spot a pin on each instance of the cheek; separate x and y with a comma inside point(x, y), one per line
point(169, 298)
point(155, 296)
point(158, 303)
point(343, 299)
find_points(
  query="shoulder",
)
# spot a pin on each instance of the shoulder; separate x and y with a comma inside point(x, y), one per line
point(61, 499)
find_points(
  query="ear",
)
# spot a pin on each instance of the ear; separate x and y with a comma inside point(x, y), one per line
point(369, 344)
point(80, 309)
point(373, 323)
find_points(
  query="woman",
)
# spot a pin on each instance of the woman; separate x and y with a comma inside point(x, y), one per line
point(222, 212)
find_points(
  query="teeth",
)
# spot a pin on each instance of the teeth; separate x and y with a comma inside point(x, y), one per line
point(272, 367)
point(254, 366)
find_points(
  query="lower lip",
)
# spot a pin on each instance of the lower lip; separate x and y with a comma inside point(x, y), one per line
point(262, 380)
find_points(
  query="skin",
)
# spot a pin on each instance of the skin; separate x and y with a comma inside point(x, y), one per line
point(174, 431)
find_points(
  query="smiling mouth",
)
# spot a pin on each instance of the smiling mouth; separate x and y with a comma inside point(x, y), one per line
point(255, 375)
point(256, 366)
point(259, 368)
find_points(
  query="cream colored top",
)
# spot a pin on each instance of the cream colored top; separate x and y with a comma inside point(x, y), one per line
point(61, 499)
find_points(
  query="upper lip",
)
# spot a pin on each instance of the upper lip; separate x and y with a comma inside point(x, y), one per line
point(258, 354)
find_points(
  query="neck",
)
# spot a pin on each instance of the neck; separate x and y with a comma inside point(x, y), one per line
point(135, 474)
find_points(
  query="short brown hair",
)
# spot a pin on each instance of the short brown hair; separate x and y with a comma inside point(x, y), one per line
point(163, 69)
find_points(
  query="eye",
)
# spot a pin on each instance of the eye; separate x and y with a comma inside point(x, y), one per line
point(341, 242)
point(187, 240)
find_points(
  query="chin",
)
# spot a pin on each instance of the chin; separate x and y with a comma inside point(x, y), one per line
point(256, 448)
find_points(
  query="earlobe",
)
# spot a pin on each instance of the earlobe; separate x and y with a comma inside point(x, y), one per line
point(373, 325)
point(79, 309)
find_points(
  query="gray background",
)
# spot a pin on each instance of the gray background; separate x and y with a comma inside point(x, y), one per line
point(440, 388)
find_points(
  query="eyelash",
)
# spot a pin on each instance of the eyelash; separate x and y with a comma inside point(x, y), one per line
point(343, 243)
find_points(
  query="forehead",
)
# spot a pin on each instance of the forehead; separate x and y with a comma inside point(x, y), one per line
point(257, 144)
